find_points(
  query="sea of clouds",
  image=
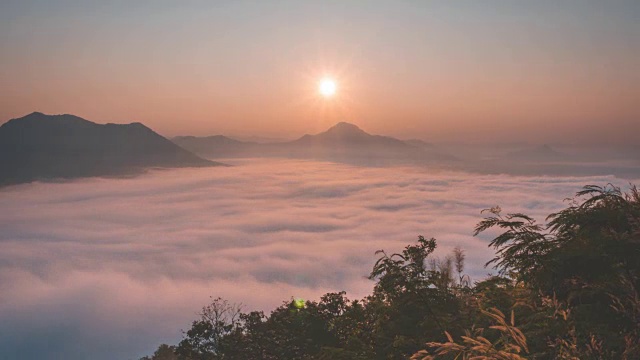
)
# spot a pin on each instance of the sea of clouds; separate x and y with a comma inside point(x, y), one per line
point(110, 268)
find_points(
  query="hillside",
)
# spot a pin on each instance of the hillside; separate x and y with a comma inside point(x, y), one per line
point(40, 146)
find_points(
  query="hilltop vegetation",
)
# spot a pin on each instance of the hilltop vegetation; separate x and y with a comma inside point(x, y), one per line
point(566, 289)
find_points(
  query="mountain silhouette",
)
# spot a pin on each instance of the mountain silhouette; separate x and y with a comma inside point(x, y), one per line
point(542, 153)
point(349, 135)
point(40, 146)
point(343, 142)
point(216, 146)
point(419, 143)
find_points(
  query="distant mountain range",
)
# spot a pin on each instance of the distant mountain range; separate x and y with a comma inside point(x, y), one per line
point(543, 153)
point(342, 142)
point(217, 146)
point(419, 143)
point(40, 146)
point(347, 143)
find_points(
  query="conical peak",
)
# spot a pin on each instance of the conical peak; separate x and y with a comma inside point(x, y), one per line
point(345, 128)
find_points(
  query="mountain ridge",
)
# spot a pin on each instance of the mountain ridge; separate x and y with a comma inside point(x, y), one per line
point(343, 141)
point(347, 134)
point(40, 147)
point(542, 152)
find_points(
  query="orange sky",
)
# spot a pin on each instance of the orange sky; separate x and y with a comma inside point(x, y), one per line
point(437, 71)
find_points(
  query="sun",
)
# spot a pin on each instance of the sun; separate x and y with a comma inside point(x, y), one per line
point(327, 87)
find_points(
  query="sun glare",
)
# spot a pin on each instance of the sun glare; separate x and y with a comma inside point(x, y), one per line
point(327, 87)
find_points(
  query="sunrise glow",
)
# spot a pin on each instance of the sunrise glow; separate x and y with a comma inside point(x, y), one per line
point(319, 179)
point(327, 87)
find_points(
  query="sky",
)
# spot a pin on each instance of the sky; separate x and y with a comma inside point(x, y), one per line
point(110, 268)
point(492, 71)
point(106, 268)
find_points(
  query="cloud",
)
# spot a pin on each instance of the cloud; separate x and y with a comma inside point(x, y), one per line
point(110, 268)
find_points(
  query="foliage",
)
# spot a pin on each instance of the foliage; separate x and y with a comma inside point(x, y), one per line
point(572, 283)
point(587, 257)
point(509, 345)
point(164, 352)
point(207, 336)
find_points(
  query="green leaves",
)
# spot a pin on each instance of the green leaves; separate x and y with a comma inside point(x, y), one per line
point(572, 284)
point(521, 247)
point(587, 255)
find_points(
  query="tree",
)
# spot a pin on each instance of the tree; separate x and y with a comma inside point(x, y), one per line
point(204, 340)
point(572, 283)
point(411, 302)
point(164, 352)
point(587, 257)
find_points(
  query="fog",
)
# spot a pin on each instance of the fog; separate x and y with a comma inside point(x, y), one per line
point(110, 268)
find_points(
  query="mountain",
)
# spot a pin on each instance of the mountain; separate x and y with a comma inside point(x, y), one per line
point(348, 135)
point(419, 143)
point(343, 142)
point(40, 146)
point(216, 146)
point(543, 153)
point(204, 141)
